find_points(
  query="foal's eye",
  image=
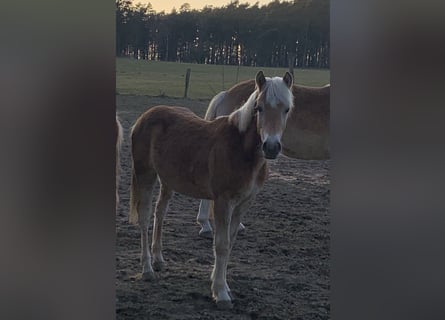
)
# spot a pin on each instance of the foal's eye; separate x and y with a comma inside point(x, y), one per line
point(259, 108)
point(287, 110)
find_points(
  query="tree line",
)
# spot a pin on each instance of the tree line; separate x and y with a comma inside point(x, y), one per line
point(279, 34)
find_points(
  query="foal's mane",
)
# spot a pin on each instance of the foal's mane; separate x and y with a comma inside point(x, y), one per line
point(242, 117)
point(274, 90)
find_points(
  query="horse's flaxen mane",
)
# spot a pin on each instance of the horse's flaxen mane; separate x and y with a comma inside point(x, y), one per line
point(275, 91)
point(244, 115)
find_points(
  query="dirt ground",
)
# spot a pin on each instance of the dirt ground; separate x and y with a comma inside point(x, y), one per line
point(279, 267)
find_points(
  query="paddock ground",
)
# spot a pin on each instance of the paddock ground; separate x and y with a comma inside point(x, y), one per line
point(279, 268)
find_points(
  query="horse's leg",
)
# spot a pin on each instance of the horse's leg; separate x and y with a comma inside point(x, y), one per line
point(235, 224)
point(203, 219)
point(222, 213)
point(161, 208)
point(145, 209)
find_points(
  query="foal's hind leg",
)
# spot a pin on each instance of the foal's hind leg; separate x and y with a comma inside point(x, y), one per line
point(145, 208)
point(161, 208)
point(235, 222)
point(203, 219)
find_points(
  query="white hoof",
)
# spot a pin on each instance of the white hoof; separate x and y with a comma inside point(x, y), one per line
point(223, 299)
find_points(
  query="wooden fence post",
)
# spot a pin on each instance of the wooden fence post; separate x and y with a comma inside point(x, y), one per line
point(187, 81)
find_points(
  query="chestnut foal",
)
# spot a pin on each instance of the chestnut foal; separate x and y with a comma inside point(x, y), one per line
point(223, 160)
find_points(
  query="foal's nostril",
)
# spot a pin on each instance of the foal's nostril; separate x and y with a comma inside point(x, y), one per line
point(264, 147)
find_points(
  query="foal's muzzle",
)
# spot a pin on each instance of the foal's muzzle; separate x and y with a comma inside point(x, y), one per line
point(271, 149)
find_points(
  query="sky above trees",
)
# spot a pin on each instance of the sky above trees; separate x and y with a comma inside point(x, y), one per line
point(168, 5)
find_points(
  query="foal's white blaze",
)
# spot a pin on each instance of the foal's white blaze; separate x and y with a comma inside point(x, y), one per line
point(273, 103)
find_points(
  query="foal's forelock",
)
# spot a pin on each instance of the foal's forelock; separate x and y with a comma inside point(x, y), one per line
point(275, 91)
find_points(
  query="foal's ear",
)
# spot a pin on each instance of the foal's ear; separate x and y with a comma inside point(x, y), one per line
point(260, 80)
point(288, 79)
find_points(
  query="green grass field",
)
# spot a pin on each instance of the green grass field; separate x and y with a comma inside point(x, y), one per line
point(154, 78)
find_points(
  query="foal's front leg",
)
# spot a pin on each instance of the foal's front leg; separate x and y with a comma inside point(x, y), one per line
point(234, 228)
point(220, 290)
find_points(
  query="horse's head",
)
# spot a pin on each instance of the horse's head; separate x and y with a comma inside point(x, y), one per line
point(274, 100)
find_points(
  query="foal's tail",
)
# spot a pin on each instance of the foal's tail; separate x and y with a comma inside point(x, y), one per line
point(213, 106)
point(119, 139)
point(134, 189)
point(134, 199)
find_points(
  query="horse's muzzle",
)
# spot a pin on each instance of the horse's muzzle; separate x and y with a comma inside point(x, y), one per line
point(271, 149)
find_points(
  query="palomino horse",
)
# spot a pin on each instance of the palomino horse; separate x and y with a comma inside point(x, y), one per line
point(119, 137)
point(223, 160)
point(306, 135)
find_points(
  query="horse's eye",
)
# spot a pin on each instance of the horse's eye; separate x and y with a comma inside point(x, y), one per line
point(259, 108)
point(287, 110)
